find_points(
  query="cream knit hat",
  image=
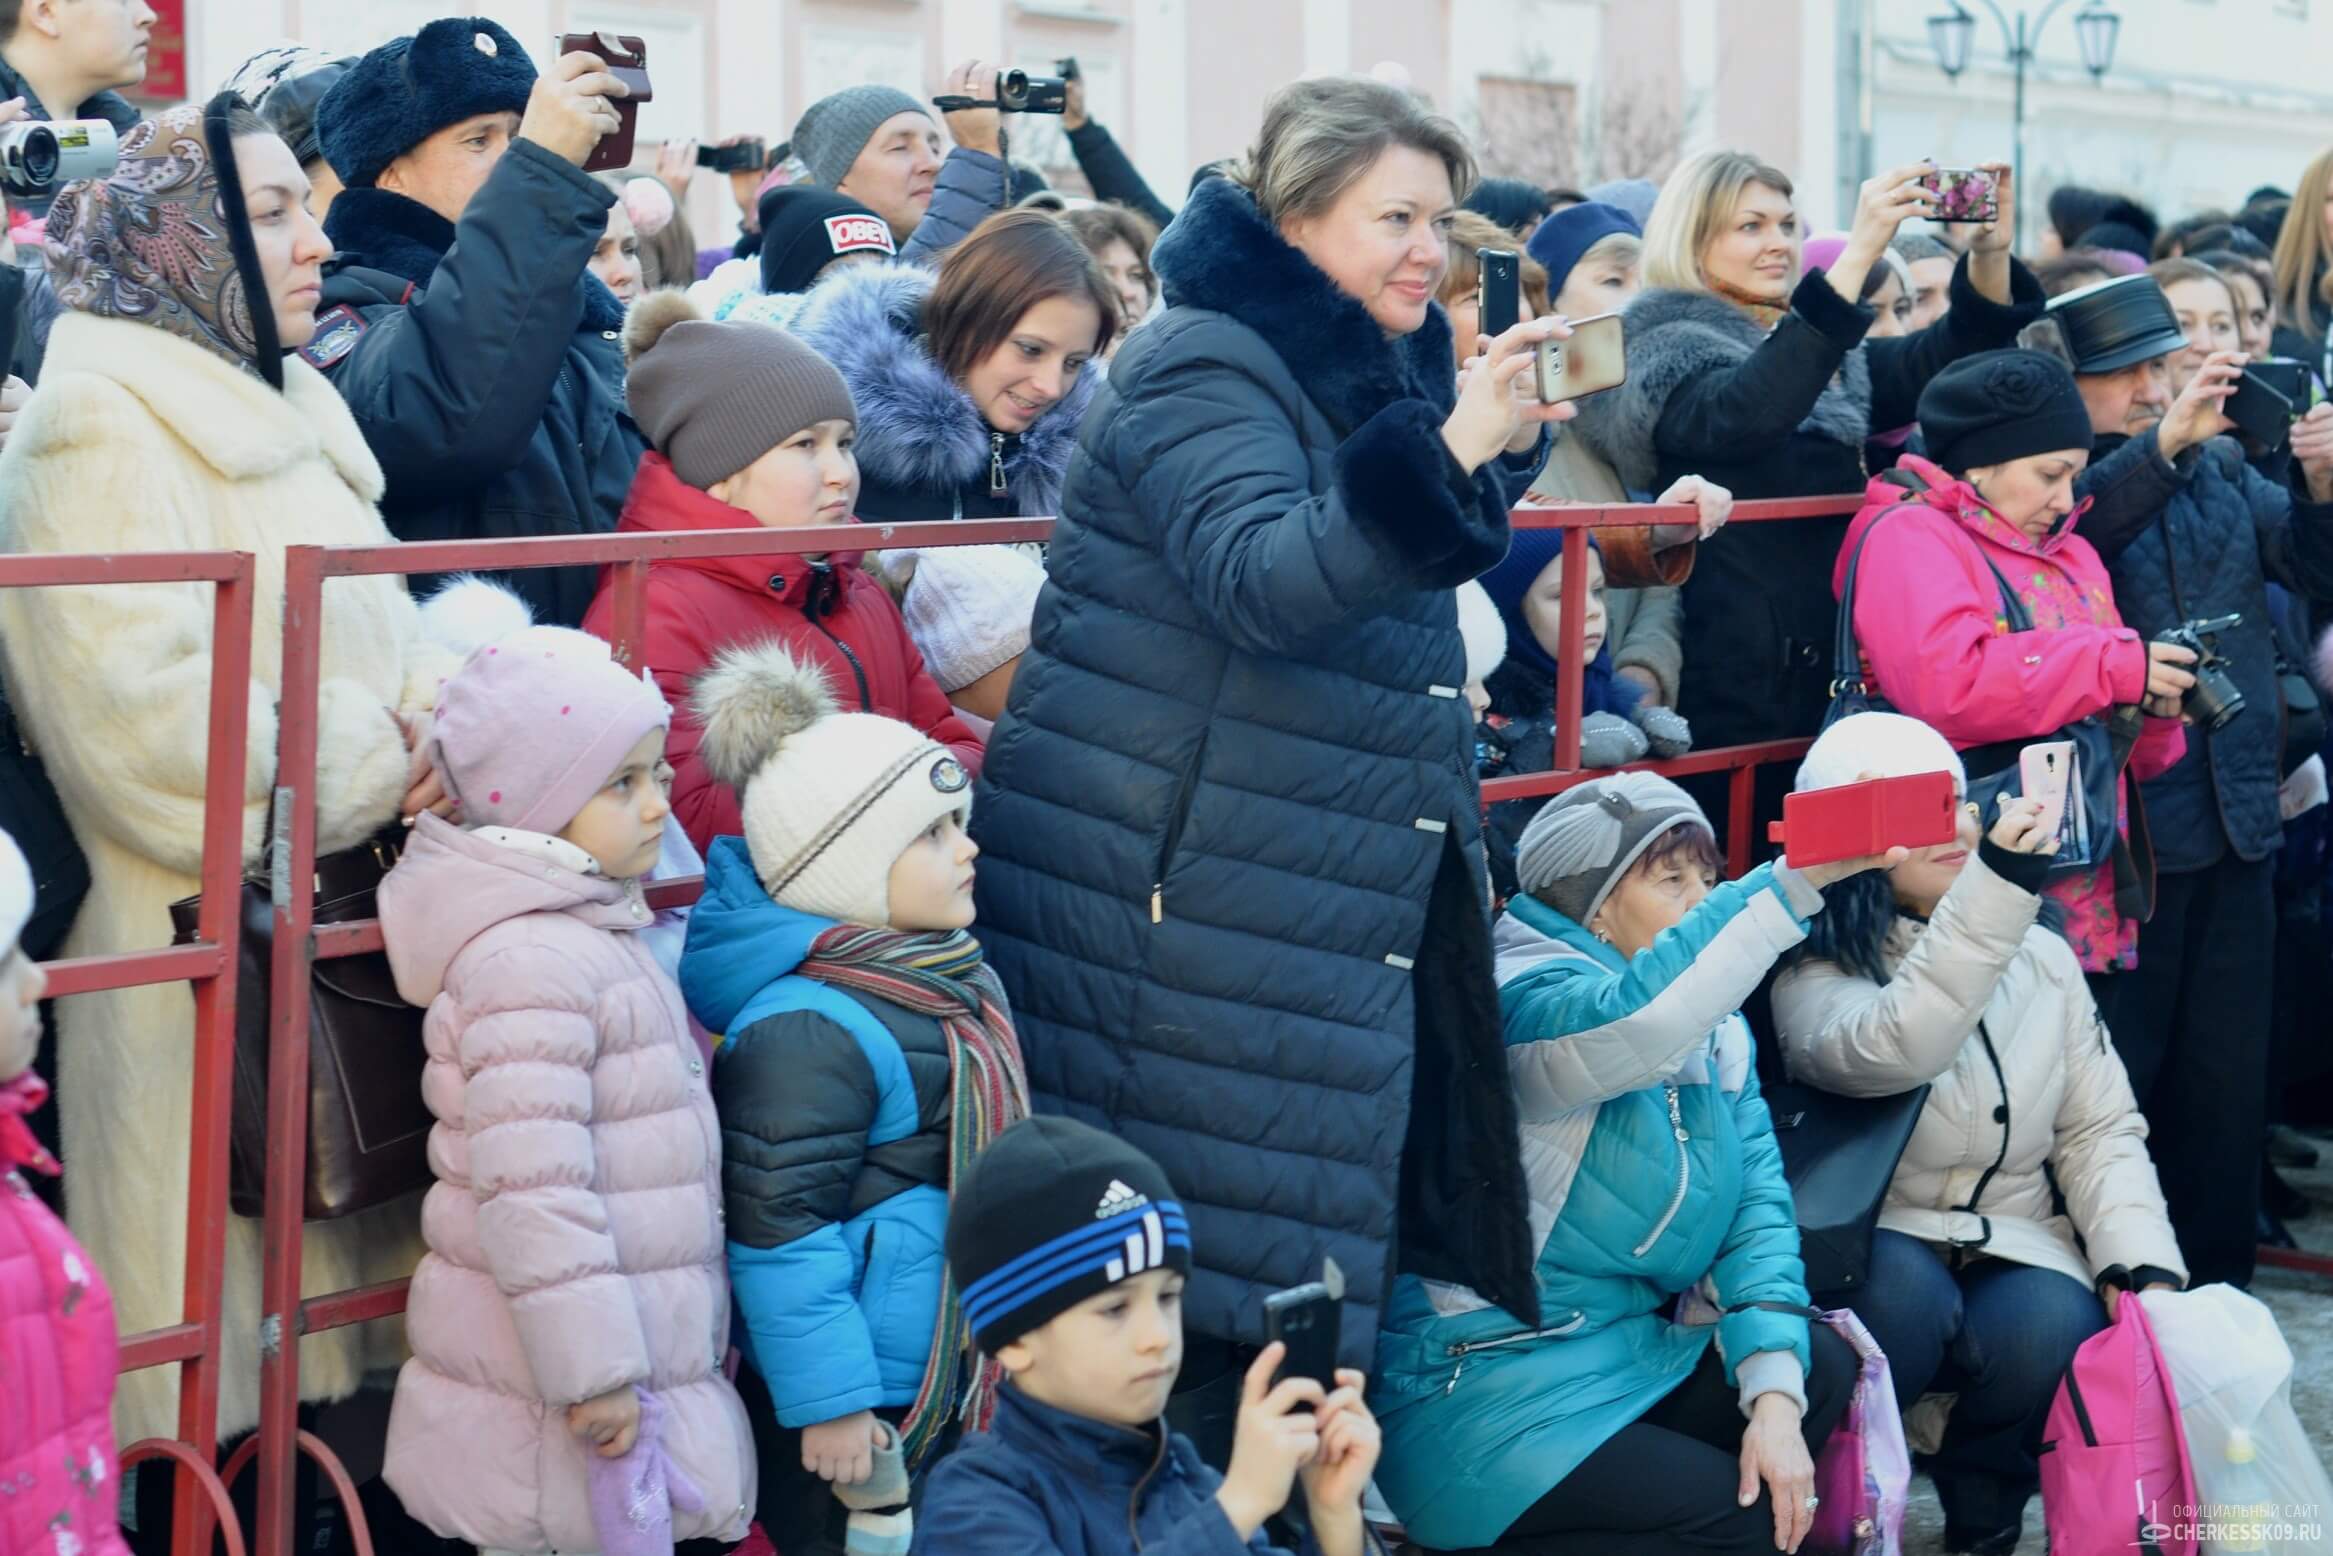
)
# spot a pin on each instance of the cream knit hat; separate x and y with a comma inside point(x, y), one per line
point(968, 608)
point(830, 799)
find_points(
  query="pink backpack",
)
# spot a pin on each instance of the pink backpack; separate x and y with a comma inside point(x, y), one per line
point(2114, 1472)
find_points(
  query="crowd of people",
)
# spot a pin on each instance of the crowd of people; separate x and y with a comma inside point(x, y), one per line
point(1100, 938)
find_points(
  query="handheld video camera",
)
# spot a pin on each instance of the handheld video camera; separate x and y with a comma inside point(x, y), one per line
point(1016, 92)
point(2214, 699)
point(36, 158)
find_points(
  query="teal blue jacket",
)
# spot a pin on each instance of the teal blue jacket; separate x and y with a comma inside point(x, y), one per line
point(1653, 1176)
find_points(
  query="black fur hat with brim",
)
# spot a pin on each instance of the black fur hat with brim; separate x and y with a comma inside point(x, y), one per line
point(408, 89)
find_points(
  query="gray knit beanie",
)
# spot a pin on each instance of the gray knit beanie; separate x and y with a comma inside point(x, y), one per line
point(1584, 840)
point(834, 130)
point(715, 397)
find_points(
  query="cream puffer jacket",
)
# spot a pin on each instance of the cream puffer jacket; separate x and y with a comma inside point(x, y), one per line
point(1990, 1009)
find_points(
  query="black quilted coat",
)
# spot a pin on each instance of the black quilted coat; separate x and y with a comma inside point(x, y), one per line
point(1232, 876)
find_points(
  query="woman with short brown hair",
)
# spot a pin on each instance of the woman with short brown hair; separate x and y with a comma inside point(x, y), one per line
point(1120, 240)
point(970, 383)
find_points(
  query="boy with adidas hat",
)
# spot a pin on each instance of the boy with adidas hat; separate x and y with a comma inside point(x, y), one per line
point(869, 1056)
point(1071, 1254)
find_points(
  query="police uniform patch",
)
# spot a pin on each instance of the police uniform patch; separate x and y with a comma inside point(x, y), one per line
point(337, 329)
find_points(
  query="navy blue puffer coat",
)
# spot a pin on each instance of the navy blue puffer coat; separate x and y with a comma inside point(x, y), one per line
point(1232, 876)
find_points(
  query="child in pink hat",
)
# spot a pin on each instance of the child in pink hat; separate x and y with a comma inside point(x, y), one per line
point(570, 1321)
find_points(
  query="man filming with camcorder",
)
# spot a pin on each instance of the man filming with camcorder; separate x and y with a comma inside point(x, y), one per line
point(880, 146)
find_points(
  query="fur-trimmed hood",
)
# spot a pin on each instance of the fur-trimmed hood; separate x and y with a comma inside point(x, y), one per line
point(1675, 336)
point(917, 428)
point(1222, 255)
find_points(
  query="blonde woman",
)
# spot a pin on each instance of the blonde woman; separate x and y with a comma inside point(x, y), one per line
point(2304, 271)
point(1748, 373)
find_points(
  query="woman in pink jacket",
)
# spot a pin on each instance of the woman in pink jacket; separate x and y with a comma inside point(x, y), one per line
point(59, 1479)
point(2007, 433)
point(570, 1322)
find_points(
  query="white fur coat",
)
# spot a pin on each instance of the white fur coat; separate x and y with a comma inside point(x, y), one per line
point(139, 441)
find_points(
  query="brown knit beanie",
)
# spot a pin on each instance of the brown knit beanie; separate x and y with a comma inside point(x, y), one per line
point(715, 397)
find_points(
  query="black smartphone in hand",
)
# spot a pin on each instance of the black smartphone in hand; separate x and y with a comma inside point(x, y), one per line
point(1306, 1319)
point(2259, 411)
point(1500, 293)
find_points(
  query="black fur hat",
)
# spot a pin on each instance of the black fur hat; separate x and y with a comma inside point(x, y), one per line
point(408, 89)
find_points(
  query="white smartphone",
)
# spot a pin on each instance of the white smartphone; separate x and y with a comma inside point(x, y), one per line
point(2045, 772)
point(1593, 360)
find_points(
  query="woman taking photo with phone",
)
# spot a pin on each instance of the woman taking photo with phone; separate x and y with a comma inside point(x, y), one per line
point(1669, 1394)
point(1749, 373)
point(1231, 875)
point(1945, 972)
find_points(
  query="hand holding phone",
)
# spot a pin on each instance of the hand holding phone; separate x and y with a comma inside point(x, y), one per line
point(605, 90)
point(2260, 411)
point(1964, 194)
point(2046, 773)
point(1593, 360)
point(1867, 820)
point(1277, 1435)
point(1305, 1320)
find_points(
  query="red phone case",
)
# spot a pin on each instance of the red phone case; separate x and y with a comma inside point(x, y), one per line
point(1861, 819)
point(627, 59)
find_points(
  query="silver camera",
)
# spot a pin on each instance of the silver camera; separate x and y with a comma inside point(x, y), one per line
point(37, 159)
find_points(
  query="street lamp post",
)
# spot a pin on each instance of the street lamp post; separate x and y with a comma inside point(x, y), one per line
point(1952, 35)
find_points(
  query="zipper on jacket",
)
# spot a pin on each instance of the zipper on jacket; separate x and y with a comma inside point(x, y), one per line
point(996, 486)
point(1134, 1498)
point(822, 580)
point(1684, 1171)
point(2002, 1080)
point(1186, 791)
point(1465, 1348)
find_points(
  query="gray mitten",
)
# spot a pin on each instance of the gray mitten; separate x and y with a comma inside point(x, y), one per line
point(1665, 728)
point(1608, 740)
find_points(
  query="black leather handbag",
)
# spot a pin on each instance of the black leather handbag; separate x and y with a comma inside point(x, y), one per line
point(1839, 1154)
point(2101, 744)
point(368, 1128)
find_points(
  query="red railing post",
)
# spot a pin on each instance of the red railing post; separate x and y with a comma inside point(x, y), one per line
point(217, 924)
point(1570, 671)
point(630, 626)
point(292, 865)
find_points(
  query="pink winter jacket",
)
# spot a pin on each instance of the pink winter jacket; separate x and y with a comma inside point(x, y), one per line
point(575, 1228)
point(1936, 646)
point(59, 1480)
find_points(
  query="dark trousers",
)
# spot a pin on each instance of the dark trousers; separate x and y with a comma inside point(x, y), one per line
point(796, 1509)
point(2192, 1025)
point(1667, 1481)
point(1996, 1334)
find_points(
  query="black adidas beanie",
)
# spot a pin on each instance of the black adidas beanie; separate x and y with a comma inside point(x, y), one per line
point(1051, 1213)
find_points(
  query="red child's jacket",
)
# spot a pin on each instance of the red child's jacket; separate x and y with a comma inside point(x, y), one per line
point(829, 613)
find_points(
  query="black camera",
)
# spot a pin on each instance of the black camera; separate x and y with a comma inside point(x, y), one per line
point(1019, 92)
point(2214, 699)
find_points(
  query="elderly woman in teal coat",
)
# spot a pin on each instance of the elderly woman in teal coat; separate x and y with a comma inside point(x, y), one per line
point(1673, 1395)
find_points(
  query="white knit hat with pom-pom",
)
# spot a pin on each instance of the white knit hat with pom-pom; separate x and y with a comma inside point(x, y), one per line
point(830, 799)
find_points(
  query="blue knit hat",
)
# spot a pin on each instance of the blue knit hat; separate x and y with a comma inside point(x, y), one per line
point(1569, 233)
point(408, 89)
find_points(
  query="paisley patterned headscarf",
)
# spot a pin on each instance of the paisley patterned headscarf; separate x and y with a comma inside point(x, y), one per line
point(165, 240)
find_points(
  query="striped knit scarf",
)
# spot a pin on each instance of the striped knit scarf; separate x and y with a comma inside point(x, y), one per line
point(946, 978)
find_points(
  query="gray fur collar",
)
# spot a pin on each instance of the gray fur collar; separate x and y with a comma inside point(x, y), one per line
point(916, 427)
point(1675, 336)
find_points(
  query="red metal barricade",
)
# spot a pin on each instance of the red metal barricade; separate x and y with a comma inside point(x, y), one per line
point(286, 1315)
point(191, 1344)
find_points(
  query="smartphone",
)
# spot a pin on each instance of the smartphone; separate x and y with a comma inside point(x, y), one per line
point(2259, 411)
point(1861, 819)
point(1500, 293)
point(2286, 377)
point(744, 157)
point(1593, 360)
point(627, 60)
point(2045, 770)
point(1964, 194)
point(1306, 1319)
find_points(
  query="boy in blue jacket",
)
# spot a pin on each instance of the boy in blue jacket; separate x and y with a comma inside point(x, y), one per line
point(1071, 1254)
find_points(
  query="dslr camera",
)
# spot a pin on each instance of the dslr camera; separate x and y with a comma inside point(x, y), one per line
point(2214, 699)
point(36, 158)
